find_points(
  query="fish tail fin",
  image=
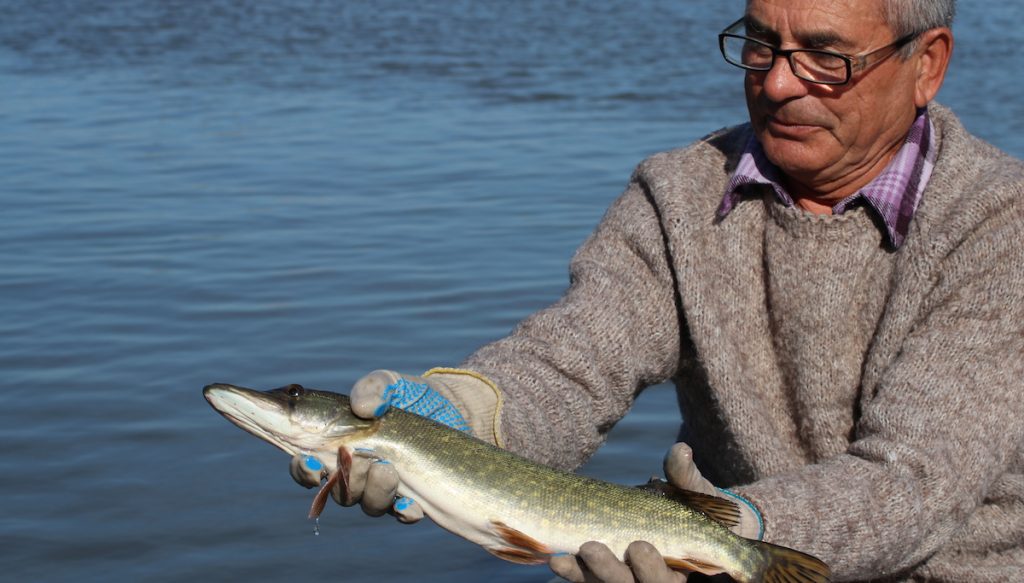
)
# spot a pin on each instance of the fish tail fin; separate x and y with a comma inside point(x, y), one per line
point(783, 565)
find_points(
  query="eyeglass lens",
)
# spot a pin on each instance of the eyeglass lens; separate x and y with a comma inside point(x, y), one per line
point(810, 65)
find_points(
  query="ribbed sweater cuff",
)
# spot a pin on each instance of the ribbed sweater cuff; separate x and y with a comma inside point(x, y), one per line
point(477, 398)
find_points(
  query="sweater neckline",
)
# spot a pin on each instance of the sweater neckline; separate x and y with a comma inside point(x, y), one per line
point(800, 223)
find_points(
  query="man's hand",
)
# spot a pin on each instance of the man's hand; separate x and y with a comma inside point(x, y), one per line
point(373, 483)
point(595, 563)
point(683, 473)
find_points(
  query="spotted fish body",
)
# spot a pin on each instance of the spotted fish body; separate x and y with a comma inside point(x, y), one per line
point(518, 510)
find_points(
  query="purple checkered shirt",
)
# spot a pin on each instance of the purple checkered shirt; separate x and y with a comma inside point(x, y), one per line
point(893, 195)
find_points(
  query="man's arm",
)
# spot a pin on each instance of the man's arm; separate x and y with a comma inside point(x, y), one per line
point(554, 387)
point(944, 423)
point(570, 371)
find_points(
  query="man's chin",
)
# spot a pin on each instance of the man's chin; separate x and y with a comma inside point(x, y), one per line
point(795, 158)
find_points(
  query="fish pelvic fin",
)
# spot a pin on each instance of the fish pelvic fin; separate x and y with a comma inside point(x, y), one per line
point(520, 556)
point(522, 548)
point(691, 565)
point(783, 565)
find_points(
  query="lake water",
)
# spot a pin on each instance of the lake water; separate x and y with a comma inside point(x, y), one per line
point(265, 192)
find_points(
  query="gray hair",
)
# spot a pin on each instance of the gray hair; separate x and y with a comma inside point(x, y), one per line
point(906, 17)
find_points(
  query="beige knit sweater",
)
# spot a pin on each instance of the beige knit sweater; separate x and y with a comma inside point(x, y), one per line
point(869, 402)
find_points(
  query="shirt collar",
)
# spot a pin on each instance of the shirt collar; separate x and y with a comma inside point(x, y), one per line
point(893, 195)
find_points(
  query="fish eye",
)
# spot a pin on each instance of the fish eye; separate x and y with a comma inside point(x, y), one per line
point(294, 391)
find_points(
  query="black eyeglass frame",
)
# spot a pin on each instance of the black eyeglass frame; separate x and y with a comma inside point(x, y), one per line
point(858, 62)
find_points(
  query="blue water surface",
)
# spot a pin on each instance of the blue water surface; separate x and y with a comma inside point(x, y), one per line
point(264, 192)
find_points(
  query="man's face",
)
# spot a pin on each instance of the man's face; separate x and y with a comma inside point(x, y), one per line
point(827, 137)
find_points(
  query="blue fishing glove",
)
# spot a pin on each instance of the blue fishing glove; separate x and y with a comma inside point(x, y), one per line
point(463, 399)
point(385, 389)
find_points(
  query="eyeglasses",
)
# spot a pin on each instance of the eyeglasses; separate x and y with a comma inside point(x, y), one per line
point(814, 65)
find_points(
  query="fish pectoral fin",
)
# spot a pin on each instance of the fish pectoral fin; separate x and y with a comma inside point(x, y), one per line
point(522, 548)
point(721, 510)
point(339, 479)
point(691, 565)
point(320, 500)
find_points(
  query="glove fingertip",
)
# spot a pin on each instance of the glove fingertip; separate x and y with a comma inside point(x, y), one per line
point(368, 406)
point(566, 566)
point(407, 510)
point(369, 396)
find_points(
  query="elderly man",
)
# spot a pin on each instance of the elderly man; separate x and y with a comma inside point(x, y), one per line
point(837, 290)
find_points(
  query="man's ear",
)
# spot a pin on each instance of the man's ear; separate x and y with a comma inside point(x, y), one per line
point(934, 50)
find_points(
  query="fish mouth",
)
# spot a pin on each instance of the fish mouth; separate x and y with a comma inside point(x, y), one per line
point(254, 412)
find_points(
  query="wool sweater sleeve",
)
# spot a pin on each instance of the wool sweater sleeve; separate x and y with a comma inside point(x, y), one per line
point(570, 371)
point(941, 426)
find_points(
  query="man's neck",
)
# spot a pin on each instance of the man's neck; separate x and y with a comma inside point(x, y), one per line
point(819, 199)
point(816, 206)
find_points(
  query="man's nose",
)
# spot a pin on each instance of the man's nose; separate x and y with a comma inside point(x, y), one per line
point(781, 83)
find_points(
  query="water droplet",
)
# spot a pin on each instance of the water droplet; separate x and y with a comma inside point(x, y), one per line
point(316, 527)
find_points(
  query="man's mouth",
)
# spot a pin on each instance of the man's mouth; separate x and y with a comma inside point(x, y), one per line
point(788, 128)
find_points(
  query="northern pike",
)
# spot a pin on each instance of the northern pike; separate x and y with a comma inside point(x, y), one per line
point(514, 508)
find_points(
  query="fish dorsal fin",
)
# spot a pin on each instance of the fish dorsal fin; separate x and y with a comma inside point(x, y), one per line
point(719, 509)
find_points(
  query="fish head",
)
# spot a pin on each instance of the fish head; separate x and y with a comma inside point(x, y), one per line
point(295, 419)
